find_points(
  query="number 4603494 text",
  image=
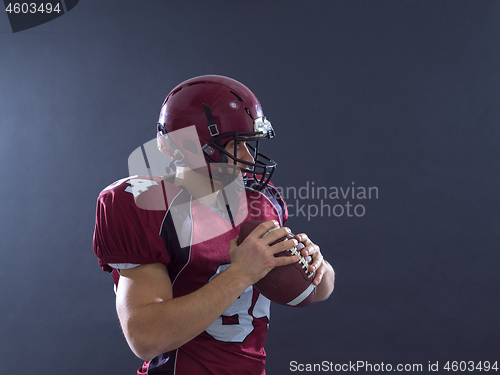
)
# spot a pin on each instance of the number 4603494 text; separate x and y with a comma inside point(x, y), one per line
point(32, 8)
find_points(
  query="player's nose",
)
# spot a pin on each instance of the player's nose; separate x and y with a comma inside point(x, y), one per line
point(246, 155)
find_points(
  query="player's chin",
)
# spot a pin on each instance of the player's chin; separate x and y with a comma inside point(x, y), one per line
point(243, 169)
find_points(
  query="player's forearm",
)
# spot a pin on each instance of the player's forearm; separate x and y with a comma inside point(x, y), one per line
point(166, 325)
point(327, 284)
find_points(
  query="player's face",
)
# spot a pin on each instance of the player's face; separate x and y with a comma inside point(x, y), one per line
point(241, 152)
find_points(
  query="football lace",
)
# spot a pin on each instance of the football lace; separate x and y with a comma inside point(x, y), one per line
point(302, 261)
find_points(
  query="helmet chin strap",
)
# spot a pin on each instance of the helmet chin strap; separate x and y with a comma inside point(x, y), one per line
point(217, 175)
point(212, 126)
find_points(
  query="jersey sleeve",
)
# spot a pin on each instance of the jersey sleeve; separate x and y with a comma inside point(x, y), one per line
point(125, 233)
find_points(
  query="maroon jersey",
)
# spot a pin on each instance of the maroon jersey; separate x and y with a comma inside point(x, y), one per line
point(144, 221)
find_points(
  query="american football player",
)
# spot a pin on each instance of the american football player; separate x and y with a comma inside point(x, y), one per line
point(184, 294)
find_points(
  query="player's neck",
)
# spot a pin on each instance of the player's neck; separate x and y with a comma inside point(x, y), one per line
point(199, 186)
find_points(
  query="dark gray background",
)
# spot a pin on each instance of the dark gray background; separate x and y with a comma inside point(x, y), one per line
point(401, 95)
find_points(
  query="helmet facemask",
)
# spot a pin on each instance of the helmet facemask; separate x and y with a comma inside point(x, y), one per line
point(256, 174)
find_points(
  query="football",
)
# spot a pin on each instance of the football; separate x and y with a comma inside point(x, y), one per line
point(289, 285)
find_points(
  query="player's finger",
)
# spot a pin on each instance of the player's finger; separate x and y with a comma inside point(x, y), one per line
point(304, 240)
point(317, 260)
point(261, 229)
point(319, 275)
point(283, 245)
point(310, 250)
point(276, 234)
point(283, 261)
point(272, 234)
point(302, 237)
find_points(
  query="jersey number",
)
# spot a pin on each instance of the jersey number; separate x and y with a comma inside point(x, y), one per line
point(236, 323)
point(136, 185)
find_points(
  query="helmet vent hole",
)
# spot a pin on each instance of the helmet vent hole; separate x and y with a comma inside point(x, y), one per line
point(237, 97)
point(248, 113)
point(176, 91)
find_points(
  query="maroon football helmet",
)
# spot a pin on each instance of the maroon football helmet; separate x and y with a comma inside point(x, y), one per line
point(201, 115)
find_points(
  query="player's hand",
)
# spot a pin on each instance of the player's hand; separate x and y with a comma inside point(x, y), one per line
point(254, 257)
point(313, 250)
